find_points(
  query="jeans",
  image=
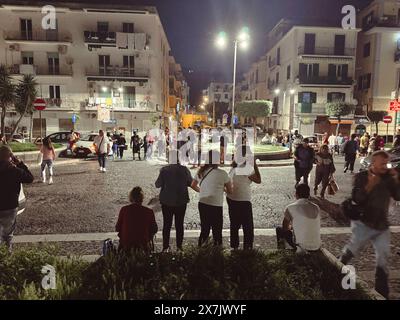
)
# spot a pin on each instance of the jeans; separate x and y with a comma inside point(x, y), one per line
point(350, 160)
point(302, 172)
point(241, 215)
point(8, 219)
point(49, 164)
point(321, 176)
point(211, 217)
point(102, 160)
point(380, 239)
point(121, 151)
point(168, 214)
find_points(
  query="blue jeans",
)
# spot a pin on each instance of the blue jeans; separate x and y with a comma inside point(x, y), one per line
point(49, 164)
point(380, 239)
point(102, 160)
point(7, 224)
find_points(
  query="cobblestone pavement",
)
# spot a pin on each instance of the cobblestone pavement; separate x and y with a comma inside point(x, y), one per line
point(82, 200)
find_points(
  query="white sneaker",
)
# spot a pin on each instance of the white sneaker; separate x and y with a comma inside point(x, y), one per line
point(101, 169)
point(104, 169)
point(51, 180)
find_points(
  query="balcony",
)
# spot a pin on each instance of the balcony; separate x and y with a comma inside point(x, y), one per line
point(386, 21)
point(273, 63)
point(122, 105)
point(111, 73)
point(132, 41)
point(100, 39)
point(46, 71)
point(53, 102)
point(42, 36)
point(325, 80)
point(327, 51)
point(310, 109)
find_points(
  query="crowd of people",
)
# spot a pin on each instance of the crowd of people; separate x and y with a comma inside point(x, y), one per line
point(372, 191)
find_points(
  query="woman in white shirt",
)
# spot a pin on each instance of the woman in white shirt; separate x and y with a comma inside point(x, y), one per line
point(211, 182)
point(239, 201)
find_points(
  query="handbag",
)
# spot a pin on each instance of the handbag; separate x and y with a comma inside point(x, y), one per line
point(352, 210)
point(333, 187)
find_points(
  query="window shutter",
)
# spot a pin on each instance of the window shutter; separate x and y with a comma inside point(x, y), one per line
point(331, 70)
point(313, 97)
point(345, 71)
point(302, 70)
point(329, 96)
point(315, 70)
point(300, 97)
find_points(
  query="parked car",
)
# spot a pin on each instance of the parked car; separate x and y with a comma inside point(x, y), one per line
point(15, 138)
point(84, 147)
point(394, 160)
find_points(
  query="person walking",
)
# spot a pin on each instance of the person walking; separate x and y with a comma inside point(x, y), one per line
point(102, 146)
point(372, 191)
point(211, 182)
point(135, 145)
point(303, 161)
point(13, 172)
point(136, 224)
point(242, 175)
point(332, 143)
point(145, 145)
point(372, 144)
point(364, 144)
point(324, 170)
point(48, 158)
point(121, 145)
point(350, 151)
point(72, 138)
point(340, 142)
point(115, 148)
point(174, 180)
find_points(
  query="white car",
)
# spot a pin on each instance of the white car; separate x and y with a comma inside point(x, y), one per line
point(84, 147)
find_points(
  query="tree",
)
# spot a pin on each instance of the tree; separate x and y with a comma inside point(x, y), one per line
point(7, 95)
point(254, 109)
point(338, 109)
point(376, 117)
point(25, 97)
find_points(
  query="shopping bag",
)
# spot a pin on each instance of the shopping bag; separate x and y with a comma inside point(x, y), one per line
point(333, 188)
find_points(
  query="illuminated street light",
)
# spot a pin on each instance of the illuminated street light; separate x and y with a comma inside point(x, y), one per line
point(277, 91)
point(242, 40)
point(120, 89)
point(292, 91)
point(104, 89)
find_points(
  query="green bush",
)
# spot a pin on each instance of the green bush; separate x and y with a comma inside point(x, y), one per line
point(26, 147)
point(195, 274)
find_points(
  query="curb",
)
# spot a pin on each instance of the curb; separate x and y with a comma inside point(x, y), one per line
point(372, 293)
point(56, 163)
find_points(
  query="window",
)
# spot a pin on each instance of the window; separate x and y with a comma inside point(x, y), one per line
point(102, 26)
point(307, 71)
point(26, 29)
point(226, 96)
point(340, 43)
point(367, 49)
point(288, 72)
point(257, 76)
point(129, 97)
point(275, 105)
point(53, 62)
point(127, 27)
point(367, 20)
point(367, 81)
point(309, 43)
point(338, 71)
point(360, 83)
point(129, 64)
point(278, 56)
point(54, 92)
point(336, 96)
point(307, 97)
point(277, 78)
point(27, 57)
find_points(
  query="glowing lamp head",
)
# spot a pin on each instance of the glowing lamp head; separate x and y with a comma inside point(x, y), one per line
point(277, 91)
point(221, 40)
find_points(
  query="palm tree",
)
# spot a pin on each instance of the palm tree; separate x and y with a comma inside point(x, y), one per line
point(25, 97)
point(7, 95)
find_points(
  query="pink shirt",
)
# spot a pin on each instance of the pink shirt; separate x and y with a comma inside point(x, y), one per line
point(48, 154)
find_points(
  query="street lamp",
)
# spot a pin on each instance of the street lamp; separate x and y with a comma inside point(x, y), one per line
point(242, 40)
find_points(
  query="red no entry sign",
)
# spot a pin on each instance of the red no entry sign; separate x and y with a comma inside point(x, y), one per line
point(387, 119)
point(39, 104)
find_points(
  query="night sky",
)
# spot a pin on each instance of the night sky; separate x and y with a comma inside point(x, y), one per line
point(191, 27)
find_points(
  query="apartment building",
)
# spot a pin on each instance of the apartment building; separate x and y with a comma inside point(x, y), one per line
point(106, 64)
point(219, 92)
point(309, 65)
point(178, 90)
point(378, 57)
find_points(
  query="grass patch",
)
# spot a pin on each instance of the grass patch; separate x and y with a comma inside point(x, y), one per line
point(28, 146)
point(206, 273)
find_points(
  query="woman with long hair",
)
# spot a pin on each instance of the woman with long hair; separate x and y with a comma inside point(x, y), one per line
point(211, 182)
point(48, 157)
point(325, 169)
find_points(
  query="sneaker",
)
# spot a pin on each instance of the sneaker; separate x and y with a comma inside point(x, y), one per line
point(345, 170)
point(167, 250)
point(101, 169)
point(51, 180)
point(104, 169)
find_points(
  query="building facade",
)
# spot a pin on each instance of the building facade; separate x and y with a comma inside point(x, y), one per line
point(106, 66)
point(378, 58)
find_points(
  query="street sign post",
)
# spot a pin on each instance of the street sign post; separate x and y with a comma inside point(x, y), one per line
point(40, 104)
point(387, 120)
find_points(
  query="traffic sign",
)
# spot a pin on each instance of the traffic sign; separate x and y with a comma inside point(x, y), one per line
point(39, 104)
point(394, 105)
point(387, 119)
point(74, 118)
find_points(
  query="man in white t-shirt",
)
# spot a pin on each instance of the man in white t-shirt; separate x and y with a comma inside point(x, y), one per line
point(102, 145)
point(303, 218)
point(211, 182)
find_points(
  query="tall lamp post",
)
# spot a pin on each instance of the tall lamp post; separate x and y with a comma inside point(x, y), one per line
point(241, 40)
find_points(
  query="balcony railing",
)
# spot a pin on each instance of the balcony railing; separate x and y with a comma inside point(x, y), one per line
point(311, 109)
point(118, 72)
point(100, 37)
point(40, 36)
point(386, 21)
point(327, 51)
point(22, 69)
point(325, 80)
point(125, 105)
point(53, 102)
point(273, 62)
